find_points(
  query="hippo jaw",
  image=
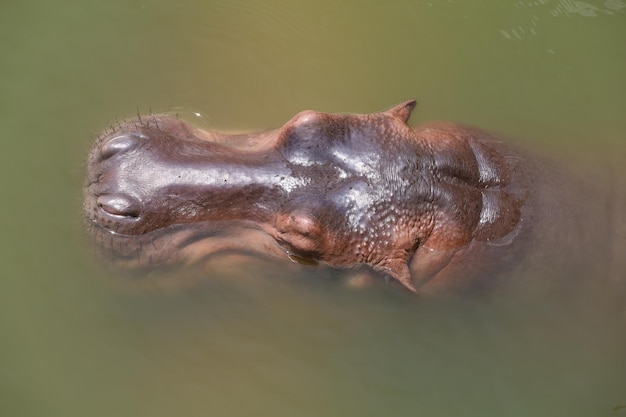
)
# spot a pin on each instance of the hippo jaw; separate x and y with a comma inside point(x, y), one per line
point(346, 190)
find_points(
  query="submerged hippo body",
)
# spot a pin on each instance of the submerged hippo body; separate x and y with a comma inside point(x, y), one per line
point(437, 207)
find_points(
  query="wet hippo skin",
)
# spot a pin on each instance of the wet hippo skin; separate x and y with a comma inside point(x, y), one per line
point(437, 207)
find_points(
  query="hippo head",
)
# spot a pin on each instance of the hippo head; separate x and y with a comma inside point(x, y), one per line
point(342, 189)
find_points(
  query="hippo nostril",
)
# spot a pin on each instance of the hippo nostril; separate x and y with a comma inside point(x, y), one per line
point(120, 143)
point(119, 205)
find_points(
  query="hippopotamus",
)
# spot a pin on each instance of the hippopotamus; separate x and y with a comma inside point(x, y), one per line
point(435, 208)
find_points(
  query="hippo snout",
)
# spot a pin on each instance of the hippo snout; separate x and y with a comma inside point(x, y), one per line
point(119, 205)
point(119, 143)
point(109, 203)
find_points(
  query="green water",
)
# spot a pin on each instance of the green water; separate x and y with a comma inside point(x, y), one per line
point(73, 344)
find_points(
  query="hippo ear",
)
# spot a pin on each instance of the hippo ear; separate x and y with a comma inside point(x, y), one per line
point(399, 270)
point(403, 110)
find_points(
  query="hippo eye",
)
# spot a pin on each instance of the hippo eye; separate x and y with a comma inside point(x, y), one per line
point(306, 118)
point(305, 126)
point(302, 233)
point(306, 139)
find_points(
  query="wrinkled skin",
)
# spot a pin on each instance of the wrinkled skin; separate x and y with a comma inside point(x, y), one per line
point(438, 207)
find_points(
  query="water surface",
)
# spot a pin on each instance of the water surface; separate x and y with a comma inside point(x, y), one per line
point(77, 343)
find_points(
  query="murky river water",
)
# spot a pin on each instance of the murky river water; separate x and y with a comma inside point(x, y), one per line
point(76, 343)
